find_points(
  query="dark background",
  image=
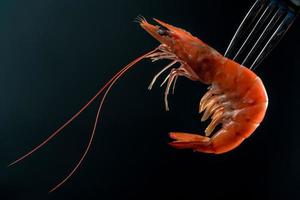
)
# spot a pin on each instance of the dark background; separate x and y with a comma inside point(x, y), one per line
point(54, 55)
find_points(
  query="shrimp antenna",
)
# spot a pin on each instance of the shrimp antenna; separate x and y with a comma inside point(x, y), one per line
point(123, 71)
point(91, 137)
point(107, 85)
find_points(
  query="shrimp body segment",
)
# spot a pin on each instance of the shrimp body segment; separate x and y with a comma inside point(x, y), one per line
point(236, 99)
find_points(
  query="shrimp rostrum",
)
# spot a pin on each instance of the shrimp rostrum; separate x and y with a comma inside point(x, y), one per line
point(236, 100)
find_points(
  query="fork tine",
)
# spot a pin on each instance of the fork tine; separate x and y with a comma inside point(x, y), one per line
point(275, 38)
point(278, 14)
point(260, 31)
point(250, 16)
point(262, 19)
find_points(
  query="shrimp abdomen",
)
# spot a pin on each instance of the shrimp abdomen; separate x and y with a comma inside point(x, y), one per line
point(248, 103)
point(242, 101)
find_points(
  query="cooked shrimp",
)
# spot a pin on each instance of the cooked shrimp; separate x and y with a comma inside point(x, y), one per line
point(236, 98)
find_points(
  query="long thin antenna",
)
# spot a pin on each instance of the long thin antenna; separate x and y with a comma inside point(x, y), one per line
point(52, 135)
point(91, 137)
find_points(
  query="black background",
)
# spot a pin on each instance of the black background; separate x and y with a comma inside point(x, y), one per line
point(54, 55)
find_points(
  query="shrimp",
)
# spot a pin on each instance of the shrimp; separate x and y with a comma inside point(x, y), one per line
point(236, 98)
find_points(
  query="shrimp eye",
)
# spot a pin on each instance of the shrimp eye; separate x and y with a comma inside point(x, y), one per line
point(162, 31)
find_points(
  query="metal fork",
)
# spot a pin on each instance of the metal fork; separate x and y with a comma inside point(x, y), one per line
point(261, 30)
